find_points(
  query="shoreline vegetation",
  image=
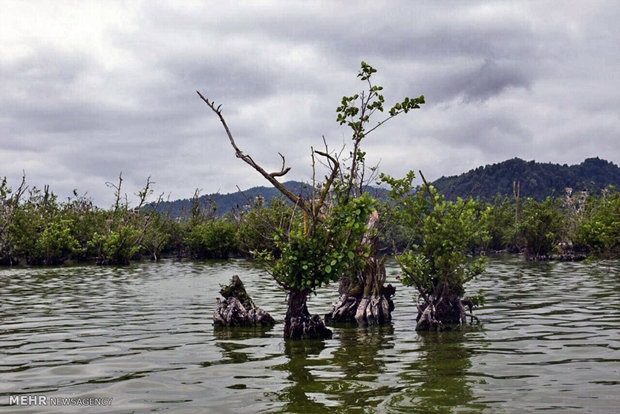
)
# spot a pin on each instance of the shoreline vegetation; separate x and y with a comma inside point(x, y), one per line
point(36, 229)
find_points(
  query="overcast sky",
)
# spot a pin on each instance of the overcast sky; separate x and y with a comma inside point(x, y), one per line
point(92, 88)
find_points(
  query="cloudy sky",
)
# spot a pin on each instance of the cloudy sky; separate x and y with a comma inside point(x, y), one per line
point(89, 89)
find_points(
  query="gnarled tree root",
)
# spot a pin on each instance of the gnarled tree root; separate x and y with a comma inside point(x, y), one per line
point(367, 301)
point(365, 310)
point(238, 309)
point(443, 313)
point(298, 323)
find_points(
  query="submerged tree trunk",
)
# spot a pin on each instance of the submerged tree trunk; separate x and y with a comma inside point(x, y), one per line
point(365, 299)
point(238, 309)
point(298, 323)
point(440, 312)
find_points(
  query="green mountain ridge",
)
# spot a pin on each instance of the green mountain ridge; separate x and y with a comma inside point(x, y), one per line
point(537, 180)
point(240, 200)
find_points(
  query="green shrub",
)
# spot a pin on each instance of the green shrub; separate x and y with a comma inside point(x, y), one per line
point(541, 227)
point(212, 240)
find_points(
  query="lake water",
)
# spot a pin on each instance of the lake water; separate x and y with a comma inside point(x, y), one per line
point(143, 336)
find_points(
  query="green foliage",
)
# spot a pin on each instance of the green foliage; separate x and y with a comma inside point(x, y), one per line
point(158, 234)
point(498, 223)
point(314, 256)
point(56, 243)
point(258, 226)
point(599, 231)
point(541, 226)
point(42, 231)
point(441, 256)
point(212, 240)
point(356, 112)
point(118, 246)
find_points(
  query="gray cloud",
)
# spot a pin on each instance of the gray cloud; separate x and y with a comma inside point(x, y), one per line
point(111, 88)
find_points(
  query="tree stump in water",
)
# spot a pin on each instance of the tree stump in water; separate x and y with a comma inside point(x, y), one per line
point(298, 323)
point(365, 299)
point(238, 309)
point(439, 314)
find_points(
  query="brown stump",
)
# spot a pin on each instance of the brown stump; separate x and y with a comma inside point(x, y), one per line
point(443, 312)
point(365, 299)
point(298, 323)
point(238, 309)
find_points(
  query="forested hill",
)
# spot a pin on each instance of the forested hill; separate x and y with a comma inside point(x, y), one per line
point(239, 200)
point(538, 180)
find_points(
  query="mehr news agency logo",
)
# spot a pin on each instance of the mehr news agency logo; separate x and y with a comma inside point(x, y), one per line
point(45, 400)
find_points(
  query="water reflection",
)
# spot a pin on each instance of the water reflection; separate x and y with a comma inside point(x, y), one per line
point(298, 396)
point(144, 335)
point(236, 343)
point(438, 379)
point(362, 357)
point(359, 348)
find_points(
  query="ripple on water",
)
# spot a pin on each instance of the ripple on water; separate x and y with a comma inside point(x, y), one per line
point(143, 335)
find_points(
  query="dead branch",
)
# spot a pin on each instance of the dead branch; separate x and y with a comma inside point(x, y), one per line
point(330, 179)
point(247, 159)
point(427, 187)
point(283, 170)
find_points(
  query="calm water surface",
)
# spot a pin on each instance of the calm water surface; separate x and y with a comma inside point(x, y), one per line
point(143, 335)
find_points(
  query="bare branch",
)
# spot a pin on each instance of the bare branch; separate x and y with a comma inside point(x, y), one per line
point(418, 285)
point(330, 179)
point(239, 154)
point(284, 169)
point(250, 202)
point(427, 187)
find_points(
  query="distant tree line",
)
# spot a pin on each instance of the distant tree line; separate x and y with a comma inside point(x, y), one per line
point(538, 180)
point(36, 228)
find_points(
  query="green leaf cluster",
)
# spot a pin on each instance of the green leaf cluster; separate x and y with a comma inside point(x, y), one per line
point(314, 256)
point(441, 253)
point(599, 230)
point(214, 239)
point(541, 226)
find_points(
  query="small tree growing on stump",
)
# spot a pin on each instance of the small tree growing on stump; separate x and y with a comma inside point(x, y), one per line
point(439, 263)
point(334, 236)
point(364, 298)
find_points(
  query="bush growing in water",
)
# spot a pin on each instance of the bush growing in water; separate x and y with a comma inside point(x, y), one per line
point(439, 262)
point(598, 231)
point(541, 227)
point(215, 239)
point(257, 228)
point(37, 229)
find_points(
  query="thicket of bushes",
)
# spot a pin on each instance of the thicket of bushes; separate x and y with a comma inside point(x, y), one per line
point(38, 229)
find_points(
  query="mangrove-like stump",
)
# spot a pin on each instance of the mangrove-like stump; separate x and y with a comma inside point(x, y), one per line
point(365, 307)
point(443, 312)
point(298, 323)
point(238, 309)
point(365, 299)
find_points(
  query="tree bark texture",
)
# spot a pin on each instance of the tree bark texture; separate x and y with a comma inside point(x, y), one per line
point(298, 323)
point(238, 309)
point(365, 299)
point(442, 312)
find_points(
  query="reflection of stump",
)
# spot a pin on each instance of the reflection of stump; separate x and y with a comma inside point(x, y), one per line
point(238, 309)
